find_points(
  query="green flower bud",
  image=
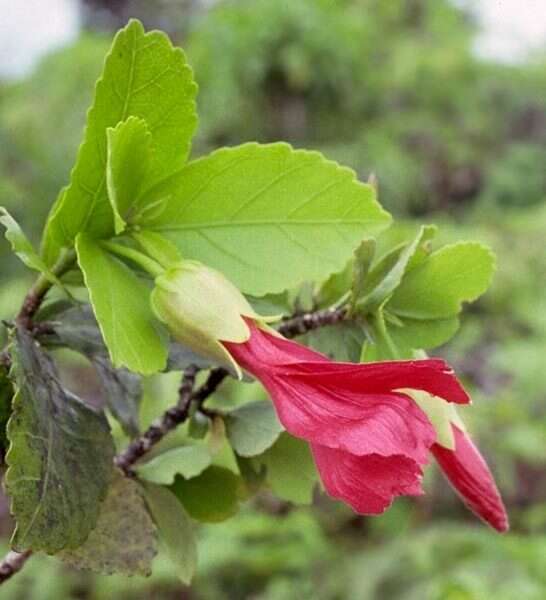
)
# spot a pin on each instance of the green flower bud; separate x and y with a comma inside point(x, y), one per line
point(202, 308)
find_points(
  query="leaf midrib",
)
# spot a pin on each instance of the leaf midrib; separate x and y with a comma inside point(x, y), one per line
point(263, 223)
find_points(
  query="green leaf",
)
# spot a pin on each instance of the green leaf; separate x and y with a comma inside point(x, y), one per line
point(124, 540)
point(175, 530)
point(6, 397)
point(253, 427)
point(291, 472)
point(450, 276)
point(145, 77)
point(267, 216)
point(73, 326)
point(381, 345)
point(210, 497)
point(121, 303)
point(158, 247)
point(122, 393)
point(189, 461)
point(363, 257)
point(420, 334)
point(341, 342)
point(391, 279)
point(23, 248)
point(128, 160)
point(219, 446)
point(60, 456)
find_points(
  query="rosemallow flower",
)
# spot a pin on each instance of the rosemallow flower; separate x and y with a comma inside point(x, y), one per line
point(371, 427)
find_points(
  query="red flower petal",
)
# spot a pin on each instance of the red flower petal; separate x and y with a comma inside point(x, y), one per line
point(353, 421)
point(469, 474)
point(370, 483)
point(265, 351)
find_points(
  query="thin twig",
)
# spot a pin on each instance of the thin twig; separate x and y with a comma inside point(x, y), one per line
point(313, 320)
point(168, 421)
point(13, 562)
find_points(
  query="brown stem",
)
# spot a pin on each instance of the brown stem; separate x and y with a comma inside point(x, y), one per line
point(159, 428)
point(13, 562)
point(313, 320)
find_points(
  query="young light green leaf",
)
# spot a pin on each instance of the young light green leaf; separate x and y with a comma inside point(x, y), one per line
point(145, 77)
point(158, 247)
point(189, 461)
point(381, 346)
point(122, 308)
point(60, 456)
point(391, 279)
point(284, 215)
point(423, 334)
point(363, 257)
point(23, 248)
point(210, 497)
point(125, 538)
point(129, 147)
point(253, 427)
point(219, 446)
point(291, 472)
point(450, 276)
point(175, 530)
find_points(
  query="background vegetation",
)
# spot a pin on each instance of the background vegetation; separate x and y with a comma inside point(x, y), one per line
point(390, 88)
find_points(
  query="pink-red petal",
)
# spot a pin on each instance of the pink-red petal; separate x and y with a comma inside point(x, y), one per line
point(384, 424)
point(264, 352)
point(469, 474)
point(370, 483)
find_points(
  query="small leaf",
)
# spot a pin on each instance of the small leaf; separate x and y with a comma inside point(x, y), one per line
point(128, 160)
point(219, 446)
point(437, 287)
point(189, 461)
point(363, 257)
point(341, 342)
point(175, 530)
point(122, 393)
point(253, 427)
point(124, 540)
point(74, 326)
point(181, 357)
point(23, 248)
point(60, 456)
point(121, 302)
point(210, 497)
point(422, 334)
point(144, 77)
point(392, 278)
point(291, 471)
point(286, 215)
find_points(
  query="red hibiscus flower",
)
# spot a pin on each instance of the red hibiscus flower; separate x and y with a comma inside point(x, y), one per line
point(369, 438)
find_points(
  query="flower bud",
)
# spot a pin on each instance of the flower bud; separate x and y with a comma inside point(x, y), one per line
point(202, 309)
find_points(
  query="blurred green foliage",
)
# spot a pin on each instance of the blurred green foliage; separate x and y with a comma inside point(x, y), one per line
point(389, 87)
